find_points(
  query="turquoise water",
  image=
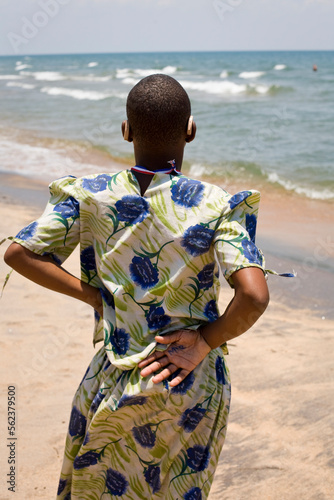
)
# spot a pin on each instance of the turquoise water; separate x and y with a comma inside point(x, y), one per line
point(261, 115)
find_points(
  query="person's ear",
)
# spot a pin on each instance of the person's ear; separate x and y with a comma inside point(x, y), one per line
point(126, 131)
point(191, 129)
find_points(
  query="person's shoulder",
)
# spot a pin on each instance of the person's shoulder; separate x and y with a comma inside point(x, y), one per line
point(210, 189)
point(62, 185)
point(85, 186)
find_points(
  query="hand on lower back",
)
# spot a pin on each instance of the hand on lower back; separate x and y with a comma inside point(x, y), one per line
point(186, 350)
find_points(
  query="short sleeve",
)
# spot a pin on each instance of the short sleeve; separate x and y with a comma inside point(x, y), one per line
point(57, 231)
point(234, 238)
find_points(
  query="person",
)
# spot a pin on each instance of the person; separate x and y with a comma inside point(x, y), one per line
point(149, 418)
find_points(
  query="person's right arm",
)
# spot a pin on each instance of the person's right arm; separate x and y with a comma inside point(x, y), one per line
point(45, 272)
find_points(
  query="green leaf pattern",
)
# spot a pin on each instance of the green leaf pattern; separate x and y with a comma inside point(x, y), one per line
point(118, 460)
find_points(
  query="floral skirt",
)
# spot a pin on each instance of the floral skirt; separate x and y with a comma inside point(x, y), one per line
point(129, 438)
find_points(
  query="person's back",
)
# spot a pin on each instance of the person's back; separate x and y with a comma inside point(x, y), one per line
point(149, 417)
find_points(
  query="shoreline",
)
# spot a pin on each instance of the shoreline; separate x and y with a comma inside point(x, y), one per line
point(281, 417)
point(292, 233)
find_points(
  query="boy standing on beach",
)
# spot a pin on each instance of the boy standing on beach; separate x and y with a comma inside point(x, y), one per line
point(149, 418)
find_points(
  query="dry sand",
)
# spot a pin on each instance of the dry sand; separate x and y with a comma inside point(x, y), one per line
point(279, 442)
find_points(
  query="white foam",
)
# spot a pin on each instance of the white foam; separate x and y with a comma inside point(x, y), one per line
point(170, 70)
point(90, 95)
point(279, 67)
point(142, 73)
point(215, 87)
point(92, 64)
point(42, 162)
point(10, 77)
point(260, 89)
point(91, 78)
point(54, 76)
point(26, 86)
point(49, 76)
point(224, 74)
point(314, 194)
point(251, 74)
point(198, 170)
point(19, 67)
point(130, 81)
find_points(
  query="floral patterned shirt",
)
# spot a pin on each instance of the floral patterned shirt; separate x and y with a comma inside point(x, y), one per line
point(156, 258)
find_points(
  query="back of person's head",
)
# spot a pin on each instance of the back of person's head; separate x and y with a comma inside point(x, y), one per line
point(158, 109)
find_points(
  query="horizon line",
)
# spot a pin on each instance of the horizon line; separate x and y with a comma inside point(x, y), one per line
point(164, 52)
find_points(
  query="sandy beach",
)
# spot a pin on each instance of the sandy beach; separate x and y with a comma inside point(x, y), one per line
point(279, 440)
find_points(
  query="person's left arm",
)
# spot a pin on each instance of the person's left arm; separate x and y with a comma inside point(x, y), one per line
point(189, 347)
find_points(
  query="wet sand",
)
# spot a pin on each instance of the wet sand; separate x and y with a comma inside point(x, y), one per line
point(281, 425)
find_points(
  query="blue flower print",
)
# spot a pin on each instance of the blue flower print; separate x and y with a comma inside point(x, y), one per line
point(144, 436)
point(88, 263)
point(97, 401)
point(198, 457)
point(205, 277)
point(236, 199)
point(197, 239)
point(193, 494)
point(87, 258)
point(107, 297)
point(152, 477)
point(210, 311)
point(251, 252)
point(98, 183)
point(61, 486)
point(251, 226)
point(68, 208)
point(27, 232)
point(131, 400)
point(107, 365)
point(120, 341)
point(53, 257)
point(77, 424)
point(143, 272)
point(116, 483)
point(132, 209)
point(156, 318)
point(191, 418)
point(83, 378)
point(187, 193)
point(85, 441)
point(86, 460)
point(220, 374)
point(183, 386)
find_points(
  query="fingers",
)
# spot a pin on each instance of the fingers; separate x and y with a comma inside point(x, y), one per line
point(152, 357)
point(168, 339)
point(153, 367)
point(166, 373)
point(179, 378)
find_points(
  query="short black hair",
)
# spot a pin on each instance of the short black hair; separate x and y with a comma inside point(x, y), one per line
point(158, 109)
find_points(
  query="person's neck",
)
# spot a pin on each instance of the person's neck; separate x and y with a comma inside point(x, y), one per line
point(156, 160)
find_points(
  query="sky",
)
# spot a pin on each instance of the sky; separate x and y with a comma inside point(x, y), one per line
point(91, 26)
